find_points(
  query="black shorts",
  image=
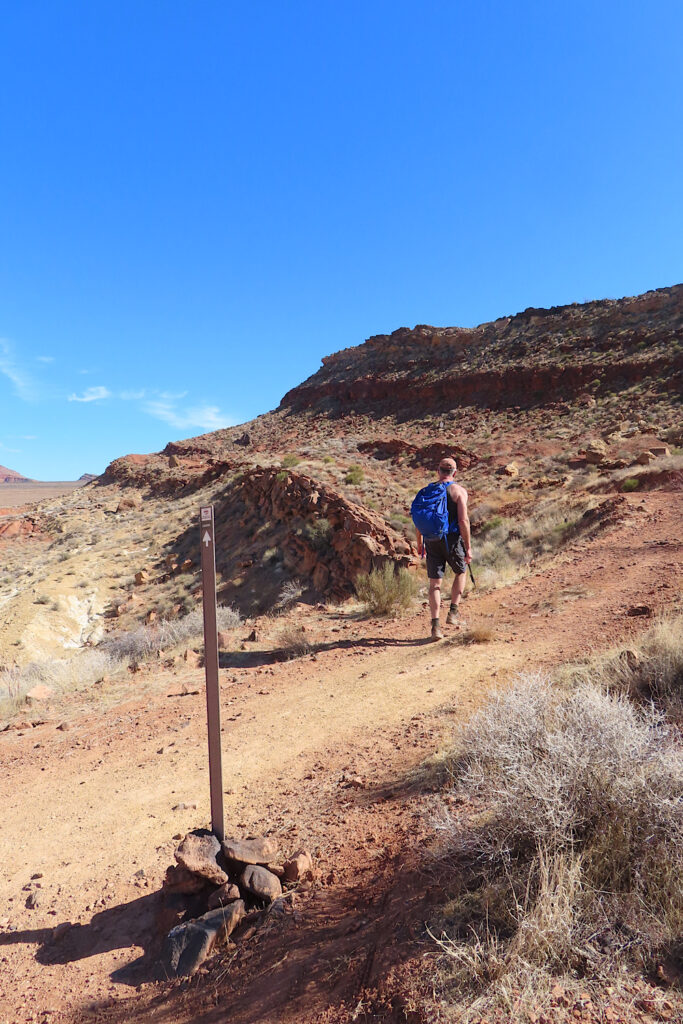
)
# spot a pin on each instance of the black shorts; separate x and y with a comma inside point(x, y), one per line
point(439, 553)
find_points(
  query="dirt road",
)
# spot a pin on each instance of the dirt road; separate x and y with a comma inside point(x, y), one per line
point(315, 751)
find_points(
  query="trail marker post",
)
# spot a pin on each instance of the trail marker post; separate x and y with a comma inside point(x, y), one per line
point(207, 544)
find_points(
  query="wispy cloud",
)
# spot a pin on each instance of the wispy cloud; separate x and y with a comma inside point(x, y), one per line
point(6, 448)
point(45, 359)
point(206, 417)
point(132, 396)
point(21, 381)
point(91, 395)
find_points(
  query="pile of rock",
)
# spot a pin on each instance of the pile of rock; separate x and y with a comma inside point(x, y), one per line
point(228, 882)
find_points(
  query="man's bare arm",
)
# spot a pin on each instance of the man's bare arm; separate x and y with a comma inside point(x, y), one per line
point(464, 522)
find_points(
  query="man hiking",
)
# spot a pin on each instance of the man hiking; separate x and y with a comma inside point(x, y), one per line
point(453, 547)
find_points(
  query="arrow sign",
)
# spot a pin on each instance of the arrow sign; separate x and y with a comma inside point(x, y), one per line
point(213, 703)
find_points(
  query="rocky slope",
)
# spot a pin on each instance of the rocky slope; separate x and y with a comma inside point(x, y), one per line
point(546, 411)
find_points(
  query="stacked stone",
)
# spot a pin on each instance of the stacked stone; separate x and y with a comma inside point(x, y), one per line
point(230, 880)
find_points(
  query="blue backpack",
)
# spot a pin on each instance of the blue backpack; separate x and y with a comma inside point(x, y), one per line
point(429, 511)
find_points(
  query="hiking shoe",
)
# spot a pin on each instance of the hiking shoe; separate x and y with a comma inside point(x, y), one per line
point(453, 617)
point(436, 630)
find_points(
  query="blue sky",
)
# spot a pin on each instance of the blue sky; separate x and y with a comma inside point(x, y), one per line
point(199, 200)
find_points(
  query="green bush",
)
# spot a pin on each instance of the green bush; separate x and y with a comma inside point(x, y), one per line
point(318, 533)
point(631, 483)
point(387, 589)
point(354, 475)
point(290, 460)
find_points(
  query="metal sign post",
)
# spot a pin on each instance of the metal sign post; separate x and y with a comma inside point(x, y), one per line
point(213, 705)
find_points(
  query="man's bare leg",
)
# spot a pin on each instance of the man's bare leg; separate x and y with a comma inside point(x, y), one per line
point(457, 591)
point(435, 607)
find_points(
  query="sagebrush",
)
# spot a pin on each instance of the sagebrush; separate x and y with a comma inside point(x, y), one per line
point(387, 589)
point(569, 856)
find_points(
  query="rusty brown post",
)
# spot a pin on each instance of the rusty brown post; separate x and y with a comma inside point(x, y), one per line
point(213, 704)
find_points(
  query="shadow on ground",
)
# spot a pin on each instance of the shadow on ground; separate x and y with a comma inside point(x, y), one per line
point(256, 659)
point(139, 923)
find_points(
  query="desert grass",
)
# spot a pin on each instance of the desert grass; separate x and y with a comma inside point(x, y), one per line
point(649, 669)
point(387, 590)
point(111, 658)
point(565, 854)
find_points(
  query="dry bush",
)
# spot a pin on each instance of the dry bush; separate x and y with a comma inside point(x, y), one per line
point(571, 855)
point(293, 643)
point(84, 669)
point(289, 594)
point(504, 547)
point(137, 645)
point(386, 590)
point(650, 669)
point(475, 635)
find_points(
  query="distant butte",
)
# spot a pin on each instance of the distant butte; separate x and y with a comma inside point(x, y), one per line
point(8, 476)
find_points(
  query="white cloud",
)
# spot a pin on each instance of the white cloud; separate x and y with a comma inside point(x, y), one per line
point(132, 396)
point(5, 448)
point(206, 417)
point(23, 386)
point(45, 359)
point(91, 395)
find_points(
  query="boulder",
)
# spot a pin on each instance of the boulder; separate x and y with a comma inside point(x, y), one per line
point(660, 450)
point(191, 658)
point(197, 853)
point(142, 576)
point(258, 850)
point(179, 879)
point(188, 945)
point(260, 882)
point(511, 469)
point(38, 693)
point(299, 867)
point(595, 452)
point(226, 894)
point(645, 458)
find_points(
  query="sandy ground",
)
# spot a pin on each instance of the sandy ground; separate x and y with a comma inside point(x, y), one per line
point(16, 495)
point(318, 752)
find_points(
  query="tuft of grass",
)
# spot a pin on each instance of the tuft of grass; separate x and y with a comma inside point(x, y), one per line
point(650, 670)
point(354, 475)
point(387, 590)
point(287, 461)
point(293, 643)
point(475, 635)
point(631, 483)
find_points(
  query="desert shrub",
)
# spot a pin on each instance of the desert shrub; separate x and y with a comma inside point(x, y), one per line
point(354, 475)
point(137, 645)
point(387, 589)
point(290, 593)
point(327, 459)
point(281, 476)
point(573, 847)
point(650, 670)
point(288, 461)
point(84, 669)
point(293, 643)
point(631, 483)
point(318, 533)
